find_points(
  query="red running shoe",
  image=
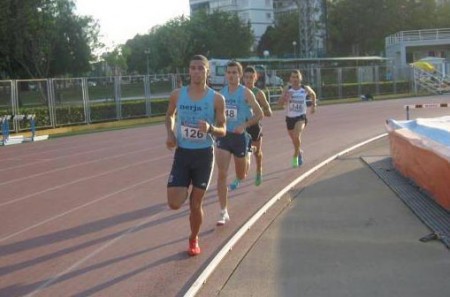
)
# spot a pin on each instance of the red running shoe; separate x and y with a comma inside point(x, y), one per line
point(194, 249)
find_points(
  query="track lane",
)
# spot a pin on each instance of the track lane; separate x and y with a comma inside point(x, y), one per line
point(150, 259)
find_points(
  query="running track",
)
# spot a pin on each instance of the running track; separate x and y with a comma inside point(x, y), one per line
point(87, 215)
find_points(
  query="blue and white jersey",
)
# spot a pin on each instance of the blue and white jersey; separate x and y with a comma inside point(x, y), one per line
point(236, 108)
point(189, 113)
point(297, 102)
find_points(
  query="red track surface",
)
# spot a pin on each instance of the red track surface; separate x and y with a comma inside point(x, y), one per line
point(87, 215)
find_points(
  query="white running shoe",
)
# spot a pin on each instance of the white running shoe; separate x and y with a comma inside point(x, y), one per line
point(223, 217)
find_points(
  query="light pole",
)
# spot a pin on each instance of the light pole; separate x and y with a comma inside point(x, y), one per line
point(147, 53)
point(294, 44)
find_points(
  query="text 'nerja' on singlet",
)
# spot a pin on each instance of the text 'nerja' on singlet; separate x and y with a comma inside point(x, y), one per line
point(237, 110)
point(189, 113)
point(297, 103)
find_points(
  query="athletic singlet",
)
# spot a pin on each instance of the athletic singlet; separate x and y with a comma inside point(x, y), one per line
point(189, 112)
point(297, 103)
point(237, 110)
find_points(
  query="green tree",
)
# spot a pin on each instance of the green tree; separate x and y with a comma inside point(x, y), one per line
point(117, 59)
point(42, 38)
point(217, 35)
point(359, 27)
point(278, 39)
point(172, 44)
point(221, 34)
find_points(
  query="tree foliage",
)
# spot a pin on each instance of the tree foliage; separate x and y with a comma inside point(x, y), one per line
point(42, 38)
point(278, 39)
point(359, 27)
point(217, 35)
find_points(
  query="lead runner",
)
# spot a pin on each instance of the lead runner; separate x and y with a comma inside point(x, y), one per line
point(196, 114)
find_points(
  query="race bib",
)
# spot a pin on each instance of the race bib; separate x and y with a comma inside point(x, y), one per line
point(231, 112)
point(192, 133)
point(296, 107)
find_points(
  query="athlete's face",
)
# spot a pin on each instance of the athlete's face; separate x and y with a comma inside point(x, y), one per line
point(198, 71)
point(295, 79)
point(233, 75)
point(249, 79)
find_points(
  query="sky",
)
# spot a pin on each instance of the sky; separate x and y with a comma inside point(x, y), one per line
point(122, 20)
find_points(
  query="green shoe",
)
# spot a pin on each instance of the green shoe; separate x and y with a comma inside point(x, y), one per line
point(234, 185)
point(295, 162)
point(258, 179)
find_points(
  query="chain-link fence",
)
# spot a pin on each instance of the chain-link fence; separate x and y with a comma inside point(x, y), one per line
point(59, 102)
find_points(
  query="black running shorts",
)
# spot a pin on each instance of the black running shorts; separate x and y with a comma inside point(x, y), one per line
point(191, 166)
point(237, 144)
point(255, 131)
point(290, 122)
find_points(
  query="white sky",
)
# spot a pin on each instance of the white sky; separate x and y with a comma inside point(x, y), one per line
point(121, 20)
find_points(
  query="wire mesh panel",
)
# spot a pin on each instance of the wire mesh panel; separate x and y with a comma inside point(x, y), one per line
point(102, 98)
point(6, 97)
point(33, 97)
point(68, 101)
point(133, 96)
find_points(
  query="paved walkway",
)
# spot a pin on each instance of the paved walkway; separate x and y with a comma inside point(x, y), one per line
point(345, 234)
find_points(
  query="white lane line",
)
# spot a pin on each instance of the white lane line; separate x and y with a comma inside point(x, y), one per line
point(80, 180)
point(195, 287)
point(81, 206)
point(29, 163)
point(71, 166)
point(56, 277)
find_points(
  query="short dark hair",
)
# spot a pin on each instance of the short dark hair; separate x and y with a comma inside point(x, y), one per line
point(233, 63)
point(201, 58)
point(296, 71)
point(249, 69)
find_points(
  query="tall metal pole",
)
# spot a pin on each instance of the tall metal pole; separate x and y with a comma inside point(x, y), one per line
point(294, 44)
point(147, 53)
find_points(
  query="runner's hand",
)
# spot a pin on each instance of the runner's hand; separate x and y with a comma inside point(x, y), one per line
point(239, 129)
point(171, 141)
point(203, 126)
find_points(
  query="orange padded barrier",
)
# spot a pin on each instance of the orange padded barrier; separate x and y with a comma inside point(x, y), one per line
point(424, 161)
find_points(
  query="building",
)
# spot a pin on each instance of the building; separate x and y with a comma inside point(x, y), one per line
point(312, 25)
point(264, 13)
point(406, 47)
point(259, 13)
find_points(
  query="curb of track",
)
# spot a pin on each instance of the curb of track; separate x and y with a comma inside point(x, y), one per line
point(201, 279)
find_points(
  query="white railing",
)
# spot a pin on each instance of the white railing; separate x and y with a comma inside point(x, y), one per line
point(418, 35)
point(434, 82)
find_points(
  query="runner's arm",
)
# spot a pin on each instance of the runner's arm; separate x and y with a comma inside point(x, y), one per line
point(171, 140)
point(283, 98)
point(257, 111)
point(219, 128)
point(313, 97)
point(262, 100)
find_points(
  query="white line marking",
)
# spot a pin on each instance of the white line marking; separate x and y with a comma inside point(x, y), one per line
point(55, 278)
point(80, 207)
point(79, 180)
point(62, 157)
point(195, 287)
point(71, 166)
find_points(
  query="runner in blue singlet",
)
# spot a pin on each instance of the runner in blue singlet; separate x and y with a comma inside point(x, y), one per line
point(195, 114)
point(240, 103)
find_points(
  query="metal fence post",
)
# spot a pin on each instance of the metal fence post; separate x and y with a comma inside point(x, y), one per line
point(86, 104)
point(117, 96)
point(51, 102)
point(148, 97)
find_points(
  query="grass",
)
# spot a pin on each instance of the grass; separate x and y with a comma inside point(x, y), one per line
point(133, 123)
